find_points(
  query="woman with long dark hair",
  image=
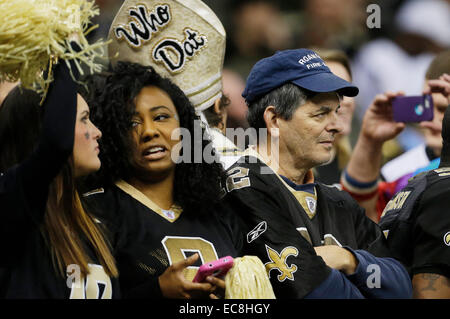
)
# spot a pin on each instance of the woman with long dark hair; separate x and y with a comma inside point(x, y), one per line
point(161, 180)
point(51, 246)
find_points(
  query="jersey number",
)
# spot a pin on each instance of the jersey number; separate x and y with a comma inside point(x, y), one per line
point(179, 248)
point(96, 285)
point(238, 178)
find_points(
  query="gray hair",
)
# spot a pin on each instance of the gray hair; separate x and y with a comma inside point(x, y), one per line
point(286, 99)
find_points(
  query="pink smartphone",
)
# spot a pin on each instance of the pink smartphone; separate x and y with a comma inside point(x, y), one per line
point(410, 109)
point(217, 268)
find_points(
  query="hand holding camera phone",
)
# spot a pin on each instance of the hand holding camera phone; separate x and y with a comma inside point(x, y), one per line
point(413, 109)
point(217, 268)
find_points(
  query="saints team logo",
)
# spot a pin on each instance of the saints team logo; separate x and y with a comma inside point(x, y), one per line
point(447, 238)
point(279, 262)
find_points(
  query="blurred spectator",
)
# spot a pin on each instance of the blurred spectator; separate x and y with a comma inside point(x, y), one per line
point(331, 24)
point(378, 126)
point(257, 30)
point(422, 154)
point(422, 29)
point(416, 225)
point(108, 10)
point(330, 172)
point(233, 86)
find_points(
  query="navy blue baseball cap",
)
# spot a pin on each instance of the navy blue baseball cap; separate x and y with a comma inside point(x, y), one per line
point(302, 67)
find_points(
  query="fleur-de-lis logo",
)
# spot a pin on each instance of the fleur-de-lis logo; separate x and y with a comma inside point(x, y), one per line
point(279, 262)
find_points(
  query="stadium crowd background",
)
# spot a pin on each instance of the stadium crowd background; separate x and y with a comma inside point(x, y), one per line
point(391, 57)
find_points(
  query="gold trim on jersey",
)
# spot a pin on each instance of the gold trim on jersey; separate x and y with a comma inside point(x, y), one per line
point(170, 215)
point(305, 234)
point(307, 200)
point(95, 191)
point(443, 171)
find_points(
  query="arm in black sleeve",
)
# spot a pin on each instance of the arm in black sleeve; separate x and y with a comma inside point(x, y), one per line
point(378, 275)
point(24, 187)
point(58, 130)
point(431, 231)
point(293, 266)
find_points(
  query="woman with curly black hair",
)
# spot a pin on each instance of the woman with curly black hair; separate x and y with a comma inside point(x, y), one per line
point(160, 190)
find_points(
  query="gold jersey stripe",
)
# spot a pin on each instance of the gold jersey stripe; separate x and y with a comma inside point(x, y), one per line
point(144, 200)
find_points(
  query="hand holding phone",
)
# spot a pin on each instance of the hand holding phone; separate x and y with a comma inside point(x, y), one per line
point(413, 109)
point(217, 268)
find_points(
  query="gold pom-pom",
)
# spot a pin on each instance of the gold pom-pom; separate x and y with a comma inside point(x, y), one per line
point(248, 280)
point(35, 32)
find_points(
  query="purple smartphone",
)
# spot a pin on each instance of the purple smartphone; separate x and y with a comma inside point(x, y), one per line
point(413, 108)
point(217, 268)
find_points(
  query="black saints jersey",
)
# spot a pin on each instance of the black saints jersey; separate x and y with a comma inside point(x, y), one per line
point(27, 267)
point(149, 239)
point(282, 225)
point(417, 223)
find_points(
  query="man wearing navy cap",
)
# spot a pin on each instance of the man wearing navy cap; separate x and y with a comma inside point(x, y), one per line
point(314, 240)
